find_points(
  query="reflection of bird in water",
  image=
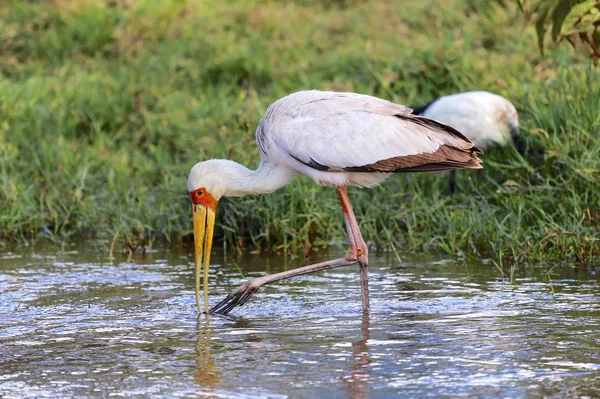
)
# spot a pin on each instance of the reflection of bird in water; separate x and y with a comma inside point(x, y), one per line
point(206, 375)
point(337, 139)
point(488, 119)
point(358, 379)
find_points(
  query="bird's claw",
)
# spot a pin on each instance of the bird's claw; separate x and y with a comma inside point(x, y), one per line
point(237, 297)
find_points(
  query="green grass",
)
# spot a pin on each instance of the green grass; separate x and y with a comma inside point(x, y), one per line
point(105, 105)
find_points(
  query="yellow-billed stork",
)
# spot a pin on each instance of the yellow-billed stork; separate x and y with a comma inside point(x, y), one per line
point(488, 119)
point(337, 139)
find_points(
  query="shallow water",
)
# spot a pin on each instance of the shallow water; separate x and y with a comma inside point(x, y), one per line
point(80, 325)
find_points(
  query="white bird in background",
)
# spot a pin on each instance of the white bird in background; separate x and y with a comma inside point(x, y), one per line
point(488, 119)
point(337, 139)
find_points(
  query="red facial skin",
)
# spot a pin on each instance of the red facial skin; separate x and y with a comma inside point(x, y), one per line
point(203, 197)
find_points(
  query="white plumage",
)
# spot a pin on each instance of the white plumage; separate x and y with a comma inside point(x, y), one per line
point(327, 136)
point(486, 118)
point(341, 131)
point(337, 139)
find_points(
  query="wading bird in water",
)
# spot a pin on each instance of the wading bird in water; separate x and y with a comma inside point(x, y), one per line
point(337, 139)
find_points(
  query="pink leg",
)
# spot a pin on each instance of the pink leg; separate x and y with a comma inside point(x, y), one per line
point(244, 292)
point(357, 244)
point(358, 253)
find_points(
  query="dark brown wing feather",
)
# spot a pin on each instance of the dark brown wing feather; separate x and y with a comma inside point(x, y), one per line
point(446, 157)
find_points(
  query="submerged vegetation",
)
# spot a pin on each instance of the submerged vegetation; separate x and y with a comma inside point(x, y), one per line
point(106, 104)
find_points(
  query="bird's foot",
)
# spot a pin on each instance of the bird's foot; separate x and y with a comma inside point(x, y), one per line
point(237, 297)
point(244, 292)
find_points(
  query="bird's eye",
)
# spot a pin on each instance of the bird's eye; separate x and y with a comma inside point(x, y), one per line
point(199, 193)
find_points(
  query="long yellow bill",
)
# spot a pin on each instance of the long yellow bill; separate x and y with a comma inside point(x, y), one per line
point(204, 223)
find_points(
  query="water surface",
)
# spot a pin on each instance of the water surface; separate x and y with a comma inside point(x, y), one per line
point(77, 324)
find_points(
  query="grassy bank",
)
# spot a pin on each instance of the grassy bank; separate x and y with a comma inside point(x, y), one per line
point(105, 105)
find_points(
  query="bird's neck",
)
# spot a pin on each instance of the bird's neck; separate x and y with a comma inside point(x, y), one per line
point(265, 179)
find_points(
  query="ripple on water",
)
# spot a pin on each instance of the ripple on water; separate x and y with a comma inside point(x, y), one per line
point(77, 325)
